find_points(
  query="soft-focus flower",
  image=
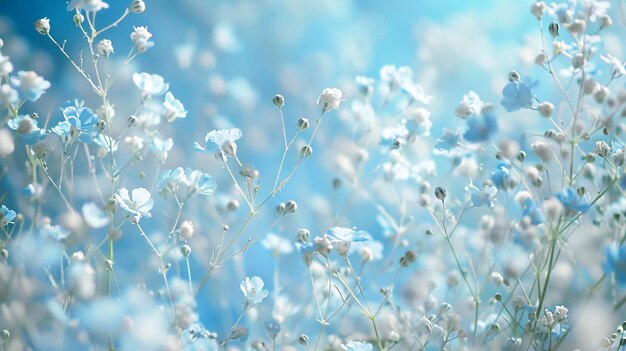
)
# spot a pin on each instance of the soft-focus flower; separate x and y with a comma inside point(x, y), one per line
point(531, 211)
point(518, 95)
point(79, 124)
point(141, 38)
point(470, 105)
point(500, 177)
point(173, 108)
point(418, 122)
point(27, 129)
point(30, 85)
point(479, 197)
point(55, 232)
point(329, 99)
point(94, 216)
point(358, 346)
point(137, 205)
point(150, 84)
point(6, 216)
point(8, 95)
point(135, 142)
point(199, 183)
point(618, 68)
point(87, 5)
point(571, 200)
point(106, 144)
point(218, 137)
point(446, 144)
point(7, 146)
point(105, 47)
point(161, 147)
point(481, 129)
point(341, 238)
point(169, 181)
point(42, 26)
point(615, 262)
point(6, 67)
point(253, 291)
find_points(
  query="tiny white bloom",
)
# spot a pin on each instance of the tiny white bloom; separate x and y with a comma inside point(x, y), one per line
point(329, 99)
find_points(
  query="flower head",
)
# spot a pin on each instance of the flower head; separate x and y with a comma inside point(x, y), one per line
point(199, 183)
point(218, 137)
point(8, 95)
point(501, 175)
point(615, 262)
point(79, 124)
point(87, 5)
point(42, 26)
point(150, 84)
point(571, 200)
point(253, 291)
point(173, 108)
point(30, 85)
point(141, 39)
point(170, 180)
point(6, 216)
point(479, 197)
point(27, 128)
point(105, 47)
point(161, 147)
point(329, 99)
point(470, 105)
point(481, 129)
point(518, 95)
point(137, 205)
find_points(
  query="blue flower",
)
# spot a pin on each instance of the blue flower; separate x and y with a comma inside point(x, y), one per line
point(197, 338)
point(218, 137)
point(169, 181)
point(532, 211)
point(448, 141)
point(80, 123)
point(29, 85)
point(27, 128)
point(57, 232)
point(136, 207)
point(150, 84)
point(6, 216)
point(173, 108)
point(199, 183)
point(253, 291)
point(482, 197)
point(616, 262)
point(571, 200)
point(161, 147)
point(518, 95)
point(501, 175)
point(358, 346)
point(481, 129)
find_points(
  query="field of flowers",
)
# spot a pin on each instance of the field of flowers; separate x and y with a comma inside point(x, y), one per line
point(312, 175)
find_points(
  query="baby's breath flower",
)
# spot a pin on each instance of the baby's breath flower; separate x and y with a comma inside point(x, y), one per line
point(105, 47)
point(141, 39)
point(137, 6)
point(42, 26)
point(329, 99)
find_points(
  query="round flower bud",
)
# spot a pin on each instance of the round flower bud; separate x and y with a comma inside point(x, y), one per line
point(105, 47)
point(137, 6)
point(280, 208)
point(521, 156)
point(230, 148)
point(605, 21)
point(367, 254)
point(78, 19)
point(232, 205)
point(303, 235)
point(279, 101)
point(545, 109)
point(408, 258)
point(538, 8)
point(514, 76)
point(185, 250)
point(42, 26)
point(101, 125)
point(440, 193)
point(303, 124)
point(554, 27)
point(303, 339)
point(132, 120)
point(186, 230)
point(291, 207)
point(4, 253)
point(306, 150)
point(5, 335)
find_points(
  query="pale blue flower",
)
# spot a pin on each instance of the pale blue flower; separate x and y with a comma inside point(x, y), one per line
point(571, 200)
point(161, 148)
point(518, 95)
point(29, 85)
point(218, 137)
point(273, 328)
point(80, 123)
point(106, 143)
point(150, 84)
point(6, 216)
point(481, 128)
point(501, 176)
point(358, 346)
point(87, 5)
point(253, 291)
point(173, 108)
point(197, 338)
point(136, 206)
point(170, 180)
point(94, 216)
point(479, 197)
point(27, 128)
point(616, 262)
point(55, 232)
point(199, 183)
point(446, 144)
point(532, 211)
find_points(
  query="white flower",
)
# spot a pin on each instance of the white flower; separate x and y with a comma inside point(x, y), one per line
point(602, 148)
point(94, 216)
point(87, 5)
point(560, 313)
point(542, 149)
point(8, 95)
point(186, 230)
point(538, 8)
point(42, 26)
point(497, 278)
point(137, 206)
point(218, 137)
point(7, 146)
point(135, 142)
point(150, 84)
point(141, 39)
point(173, 108)
point(546, 108)
point(6, 66)
point(329, 99)
point(253, 290)
point(105, 47)
point(470, 105)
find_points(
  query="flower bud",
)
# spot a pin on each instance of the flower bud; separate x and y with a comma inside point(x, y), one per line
point(303, 235)
point(408, 258)
point(303, 124)
point(280, 208)
point(230, 148)
point(132, 120)
point(440, 193)
point(5, 335)
point(521, 156)
point(514, 76)
point(185, 250)
point(279, 101)
point(306, 150)
point(291, 207)
point(42, 26)
point(186, 230)
point(554, 27)
point(137, 6)
point(105, 47)
point(232, 205)
point(78, 19)
point(538, 8)
point(4, 253)
point(545, 109)
point(303, 339)
point(101, 125)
